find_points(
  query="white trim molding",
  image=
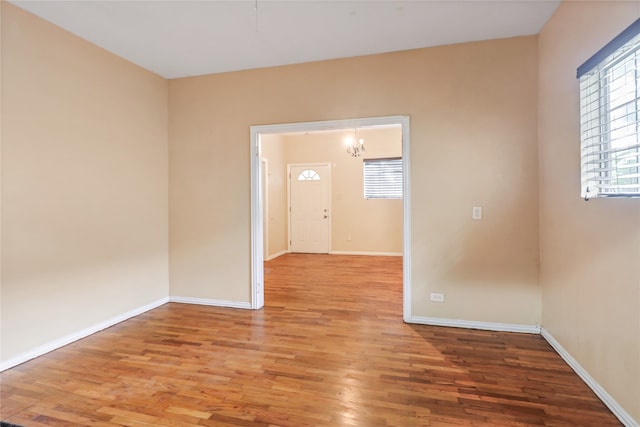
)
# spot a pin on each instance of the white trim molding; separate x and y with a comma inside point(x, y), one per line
point(364, 253)
point(211, 302)
point(624, 417)
point(407, 287)
point(470, 324)
point(68, 339)
point(257, 249)
point(276, 255)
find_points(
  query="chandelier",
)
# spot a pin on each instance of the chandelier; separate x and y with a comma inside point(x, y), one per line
point(355, 145)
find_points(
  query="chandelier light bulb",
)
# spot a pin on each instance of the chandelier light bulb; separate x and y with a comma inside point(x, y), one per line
point(355, 145)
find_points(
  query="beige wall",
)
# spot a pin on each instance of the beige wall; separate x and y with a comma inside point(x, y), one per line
point(273, 149)
point(590, 251)
point(1, 67)
point(473, 142)
point(84, 184)
point(357, 224)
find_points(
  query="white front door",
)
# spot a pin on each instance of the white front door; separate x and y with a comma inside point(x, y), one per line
point(309, 219)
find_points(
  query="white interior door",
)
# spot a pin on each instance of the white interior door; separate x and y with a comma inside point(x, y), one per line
point(309, 218)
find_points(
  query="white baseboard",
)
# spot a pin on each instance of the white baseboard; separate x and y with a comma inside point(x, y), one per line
point(606, 398)
point(212, 302)
point(365, 253)
point(276, 255)
point(68, 339)
point(470, 324)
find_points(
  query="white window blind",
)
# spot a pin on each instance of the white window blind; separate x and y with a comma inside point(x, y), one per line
point(383, 178)
point(610, 118)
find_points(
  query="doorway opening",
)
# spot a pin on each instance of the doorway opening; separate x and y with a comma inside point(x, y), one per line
point(259, 134)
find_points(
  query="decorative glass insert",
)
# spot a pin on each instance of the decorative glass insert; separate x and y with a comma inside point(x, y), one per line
point(308, 175)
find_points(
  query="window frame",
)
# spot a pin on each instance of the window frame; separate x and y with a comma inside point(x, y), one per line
point(385, 189)
point(599, 158)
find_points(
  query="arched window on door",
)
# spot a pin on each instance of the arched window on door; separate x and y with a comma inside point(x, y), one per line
point(308, 175)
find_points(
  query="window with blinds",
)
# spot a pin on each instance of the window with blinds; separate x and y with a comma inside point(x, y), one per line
point(383, 178)
point(610, 118)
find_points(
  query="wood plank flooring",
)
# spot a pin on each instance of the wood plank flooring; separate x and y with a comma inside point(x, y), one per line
point(328, 349)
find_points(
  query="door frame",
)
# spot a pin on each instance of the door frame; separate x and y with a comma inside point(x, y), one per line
point(264, 189)
point(289, 165)
point(257, 253)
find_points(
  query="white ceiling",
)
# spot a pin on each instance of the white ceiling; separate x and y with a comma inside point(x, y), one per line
point(182, 38)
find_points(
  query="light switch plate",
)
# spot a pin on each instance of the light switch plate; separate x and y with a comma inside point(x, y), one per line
point(476, 212)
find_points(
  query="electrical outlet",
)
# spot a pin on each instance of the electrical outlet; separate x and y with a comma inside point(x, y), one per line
point(437, 297)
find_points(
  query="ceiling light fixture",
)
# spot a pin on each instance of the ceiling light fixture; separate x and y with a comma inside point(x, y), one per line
point(355, 145)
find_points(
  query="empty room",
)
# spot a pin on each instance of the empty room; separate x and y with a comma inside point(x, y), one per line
point(320, 213)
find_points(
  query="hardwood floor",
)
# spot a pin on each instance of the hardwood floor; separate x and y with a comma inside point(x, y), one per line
point(328, 349)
